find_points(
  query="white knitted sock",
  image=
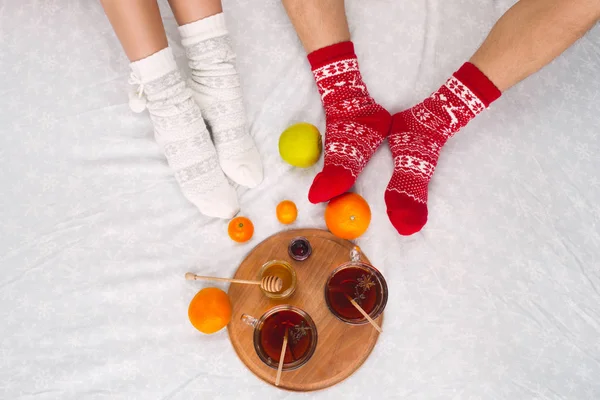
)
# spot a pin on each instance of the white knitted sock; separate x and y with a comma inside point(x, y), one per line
point(216, 87)
point(182, 134)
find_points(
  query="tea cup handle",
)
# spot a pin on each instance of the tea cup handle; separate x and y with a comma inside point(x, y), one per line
point(249, 320)
point(355, 254)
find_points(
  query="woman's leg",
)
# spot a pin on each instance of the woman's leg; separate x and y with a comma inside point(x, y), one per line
point(187, 11)
point(355, 124)
point(215, 84)
point(138, 26)
point(178, 125)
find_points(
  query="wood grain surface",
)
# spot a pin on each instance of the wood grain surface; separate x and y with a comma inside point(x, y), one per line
point(341, 348)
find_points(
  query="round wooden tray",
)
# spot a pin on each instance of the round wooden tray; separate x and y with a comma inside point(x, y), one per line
point(341, 348)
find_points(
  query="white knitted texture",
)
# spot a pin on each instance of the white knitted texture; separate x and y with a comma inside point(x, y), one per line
point(180, 131)
point(216, 87)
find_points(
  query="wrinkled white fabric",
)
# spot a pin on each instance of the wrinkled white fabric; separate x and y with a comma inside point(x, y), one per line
point(497, 297)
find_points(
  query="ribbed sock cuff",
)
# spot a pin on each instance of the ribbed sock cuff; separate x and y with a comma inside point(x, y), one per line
point(478, 83)
point(154, 66)
point(335, 52)
point(203, 29)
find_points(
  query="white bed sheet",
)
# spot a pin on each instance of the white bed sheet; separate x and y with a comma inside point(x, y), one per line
point(497, 298)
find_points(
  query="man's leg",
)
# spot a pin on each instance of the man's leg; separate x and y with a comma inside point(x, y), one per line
point(216, 87)
point(319, 23)
point(178, 125)
point(355, 124)
point(530, 35)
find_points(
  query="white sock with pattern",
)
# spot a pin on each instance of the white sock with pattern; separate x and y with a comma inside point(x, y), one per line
point(180, 131)
point(216, 87)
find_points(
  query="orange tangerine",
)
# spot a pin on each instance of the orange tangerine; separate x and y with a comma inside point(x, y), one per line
point(286, 212)
point(348, 216)
point(240, 229)
point(210, 310)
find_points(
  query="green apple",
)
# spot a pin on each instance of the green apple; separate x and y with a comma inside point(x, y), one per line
point(300, 145)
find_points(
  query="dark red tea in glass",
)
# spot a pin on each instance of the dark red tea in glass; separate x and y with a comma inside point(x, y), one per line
point(269, 332)
point(273, 331)
point(361, 282)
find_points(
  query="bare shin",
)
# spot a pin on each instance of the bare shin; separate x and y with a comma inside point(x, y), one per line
point(530, 35)
point(187, 11)
point(138, 26)
point(319, 23)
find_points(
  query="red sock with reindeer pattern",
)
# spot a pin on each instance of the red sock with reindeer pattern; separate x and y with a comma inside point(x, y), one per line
point(355, 124)
point(417, 136)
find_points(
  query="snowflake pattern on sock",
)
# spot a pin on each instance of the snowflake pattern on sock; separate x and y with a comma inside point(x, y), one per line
point(349, 142)
point(419, 133)
point(217, 89)
point(180, 131)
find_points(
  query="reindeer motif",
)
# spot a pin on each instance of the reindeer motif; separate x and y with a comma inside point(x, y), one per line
point(325, 92)
point(356, 83)
point(450, 110)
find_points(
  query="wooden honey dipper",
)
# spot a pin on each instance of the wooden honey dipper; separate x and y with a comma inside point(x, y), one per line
point(269, 283)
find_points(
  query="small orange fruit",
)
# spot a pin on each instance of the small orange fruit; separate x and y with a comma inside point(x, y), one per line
point(286, 212)
point(348, 216)
point(240, 229)
point(210, 310)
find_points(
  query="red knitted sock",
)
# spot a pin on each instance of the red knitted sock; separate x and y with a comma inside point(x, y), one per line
point(417, 136)
point(355, 124)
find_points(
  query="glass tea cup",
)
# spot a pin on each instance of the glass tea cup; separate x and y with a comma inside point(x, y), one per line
point(269, 331)
point(284, 271)
point(359, 281)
